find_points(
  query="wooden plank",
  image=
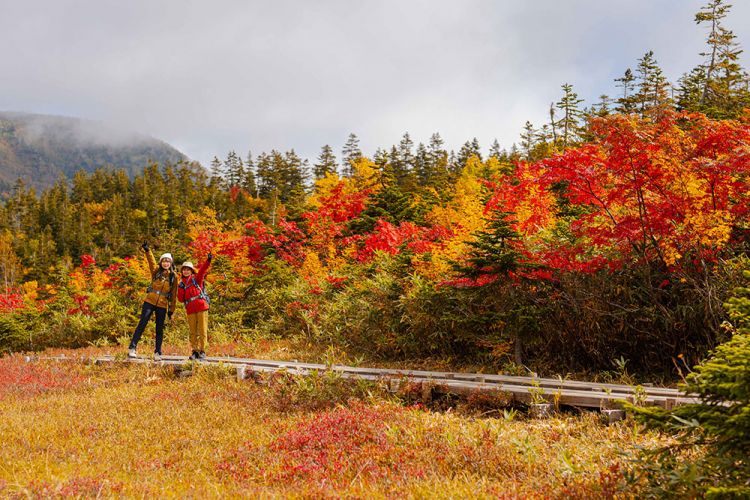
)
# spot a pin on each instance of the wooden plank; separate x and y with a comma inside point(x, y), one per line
point(572, 393)
point(546, 383)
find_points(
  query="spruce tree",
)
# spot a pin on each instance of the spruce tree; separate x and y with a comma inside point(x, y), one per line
point(469, 149)
point(528, 140)
point(402, 163)
point(437, 162)
point(653, 88)
point(391, 203)
point(382, 160)
point(234, 169)
point(495, 150)
point(569, 125)
point(249, 183)
point(267, 176)
point(349, 154)
point(690, 89)
point(492, 258)
point(422, 165)
point(724, 91)
point(626, 103)
point(326, 163)
point(492, 250)
point(603, 107)
point(217, 171)
point(454, 165)
point(289, 173)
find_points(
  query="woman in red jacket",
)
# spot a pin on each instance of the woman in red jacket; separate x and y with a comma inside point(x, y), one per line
point(191, 293)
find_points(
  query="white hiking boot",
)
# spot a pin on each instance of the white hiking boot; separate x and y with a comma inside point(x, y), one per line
point(132, 353)
point(157, 356)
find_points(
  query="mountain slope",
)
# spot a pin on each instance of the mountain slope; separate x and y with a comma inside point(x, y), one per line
point(41, 148)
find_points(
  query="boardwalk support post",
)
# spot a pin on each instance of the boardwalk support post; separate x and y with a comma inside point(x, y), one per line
point(394, 385)
point(613, 416)
point(540, 410)
point(426, 392)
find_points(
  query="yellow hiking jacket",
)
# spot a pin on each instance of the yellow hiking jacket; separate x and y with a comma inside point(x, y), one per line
point(162, 292)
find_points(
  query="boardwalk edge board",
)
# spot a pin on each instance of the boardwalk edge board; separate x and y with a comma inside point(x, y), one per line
point(525, 390)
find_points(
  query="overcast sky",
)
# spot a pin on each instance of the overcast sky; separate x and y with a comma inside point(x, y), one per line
point(210, 76)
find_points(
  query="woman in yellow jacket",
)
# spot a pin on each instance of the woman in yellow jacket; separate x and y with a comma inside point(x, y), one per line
point(161, 297)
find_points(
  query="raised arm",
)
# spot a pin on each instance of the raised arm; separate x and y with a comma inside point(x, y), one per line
point(204, 269)
point(149, 257)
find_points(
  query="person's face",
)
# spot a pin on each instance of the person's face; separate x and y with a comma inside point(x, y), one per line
point(165, 264)
point(186, 271)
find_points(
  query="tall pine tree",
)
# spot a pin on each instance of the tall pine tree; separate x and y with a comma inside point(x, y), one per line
point(719, 87)
point(326, 163)
point(626, 103)
point(569, 125)
point(349, 154)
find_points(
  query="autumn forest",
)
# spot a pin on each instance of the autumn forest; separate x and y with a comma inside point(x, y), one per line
point(608, 238)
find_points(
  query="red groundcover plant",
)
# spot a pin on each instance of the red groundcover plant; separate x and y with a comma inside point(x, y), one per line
point(334, 447)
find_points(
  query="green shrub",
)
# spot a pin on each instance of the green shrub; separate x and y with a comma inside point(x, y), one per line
point(318, 390)
point(18, 331)
point(712, 454)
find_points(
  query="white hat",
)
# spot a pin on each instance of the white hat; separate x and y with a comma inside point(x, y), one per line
point(166, 256)
point(189, 264)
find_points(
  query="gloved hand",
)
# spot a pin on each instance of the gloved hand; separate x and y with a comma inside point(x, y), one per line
point(145, 246)
point(210, 256)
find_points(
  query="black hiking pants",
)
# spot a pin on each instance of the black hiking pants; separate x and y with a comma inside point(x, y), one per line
point(146, 312)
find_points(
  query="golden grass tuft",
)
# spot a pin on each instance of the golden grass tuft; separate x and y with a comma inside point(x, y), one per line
point(138, 431)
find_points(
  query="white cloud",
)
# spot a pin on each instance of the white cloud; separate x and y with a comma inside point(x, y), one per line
point(212, 76)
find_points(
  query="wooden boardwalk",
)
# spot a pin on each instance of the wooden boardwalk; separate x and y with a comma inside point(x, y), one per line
point(525, 390)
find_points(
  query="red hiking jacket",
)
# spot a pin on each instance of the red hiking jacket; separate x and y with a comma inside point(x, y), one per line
point(188, 290)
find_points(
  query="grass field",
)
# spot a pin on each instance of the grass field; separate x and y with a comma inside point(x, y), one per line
point(76, 430)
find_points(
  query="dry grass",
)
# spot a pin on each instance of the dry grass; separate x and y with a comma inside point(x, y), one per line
point(70, 429)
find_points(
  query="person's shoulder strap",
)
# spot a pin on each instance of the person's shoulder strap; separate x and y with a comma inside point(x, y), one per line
point(196, 285)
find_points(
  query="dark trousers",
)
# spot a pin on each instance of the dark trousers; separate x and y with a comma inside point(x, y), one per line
point(161, 315)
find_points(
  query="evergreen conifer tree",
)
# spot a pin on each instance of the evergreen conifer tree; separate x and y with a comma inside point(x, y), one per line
point(495, 150)
point(422, 165)
point(528, 140)
point(349, 154)
point(249, 183)
point(653, 88)
point(234, 169)
point(437, 162)
point(626, 103)
point(717, 427)
point(402, 163)
point(569, 124)
point(492, 250)
point(391, 203)
point(326, 163)
point(469, 149)
point(723, 89)
point(603, 107)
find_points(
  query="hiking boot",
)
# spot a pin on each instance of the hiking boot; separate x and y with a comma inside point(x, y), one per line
point(201, 356)
point(157, 356)
point(132, 353)
point(193, 356)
